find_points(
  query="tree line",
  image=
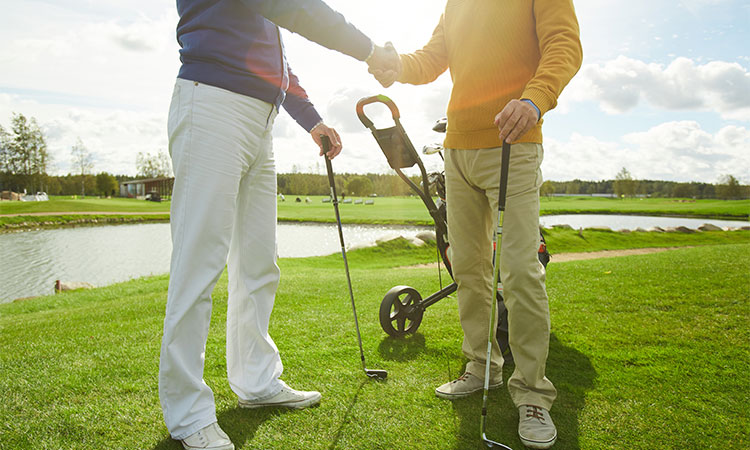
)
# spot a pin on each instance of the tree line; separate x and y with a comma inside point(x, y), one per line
point(384, 185)
point(25, 162)
point(624, 185)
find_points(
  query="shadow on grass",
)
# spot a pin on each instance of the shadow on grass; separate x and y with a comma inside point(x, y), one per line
point(402, 349)
point(573, 375)
point(347, 416)
point(240, 424)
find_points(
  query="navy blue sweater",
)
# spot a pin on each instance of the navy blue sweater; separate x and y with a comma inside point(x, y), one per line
point(236, 45)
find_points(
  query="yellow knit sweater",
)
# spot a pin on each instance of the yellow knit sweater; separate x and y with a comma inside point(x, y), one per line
point(498, 50)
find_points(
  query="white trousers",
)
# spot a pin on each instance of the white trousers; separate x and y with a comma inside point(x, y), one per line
point(223, 213)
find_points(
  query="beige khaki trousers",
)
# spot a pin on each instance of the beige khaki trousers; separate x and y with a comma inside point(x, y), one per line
point(472, 182)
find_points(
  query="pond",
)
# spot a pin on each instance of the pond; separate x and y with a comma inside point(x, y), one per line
point(31, 261)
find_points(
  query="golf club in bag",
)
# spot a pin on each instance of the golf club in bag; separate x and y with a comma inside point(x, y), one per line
point(496, 241)
point(372, 373)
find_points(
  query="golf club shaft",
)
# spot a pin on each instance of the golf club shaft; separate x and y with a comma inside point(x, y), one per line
point(326, 147)
point(496, 242)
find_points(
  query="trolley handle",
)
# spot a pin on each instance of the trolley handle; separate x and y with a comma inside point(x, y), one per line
point(375, 99)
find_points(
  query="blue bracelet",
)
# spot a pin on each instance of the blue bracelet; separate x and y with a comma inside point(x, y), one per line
point(538, 112)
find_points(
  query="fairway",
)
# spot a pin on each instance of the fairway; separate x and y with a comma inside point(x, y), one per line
point(389, 210)
point(645, 350)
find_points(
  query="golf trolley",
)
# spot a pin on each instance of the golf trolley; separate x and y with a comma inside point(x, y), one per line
point(402, 307)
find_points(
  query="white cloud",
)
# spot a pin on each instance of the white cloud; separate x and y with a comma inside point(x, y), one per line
point(623, 83)
point(113, 137)
point(130, 62)
point(676, 151)
point(104, 71)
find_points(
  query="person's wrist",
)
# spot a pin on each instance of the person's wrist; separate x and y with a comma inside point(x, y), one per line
point(316, 126)
point(372, 53)
point(536, 108)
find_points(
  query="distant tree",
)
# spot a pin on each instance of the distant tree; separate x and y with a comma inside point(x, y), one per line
point(23, 154)
point(5, 155)
point(83, 162)
point(298, 184)
point(153, 166)
point(684, 190)
point(52, 185)
point(547, 188)
point(625, 186)
point(573, 187)
point(729, 188)
point(709, 191)
point(359, 185)
point(107, 184)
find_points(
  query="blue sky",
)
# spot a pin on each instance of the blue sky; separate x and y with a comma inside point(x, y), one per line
point(664, 89)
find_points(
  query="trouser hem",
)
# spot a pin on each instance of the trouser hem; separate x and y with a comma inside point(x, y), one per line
point(203, 423)
point(274, 392)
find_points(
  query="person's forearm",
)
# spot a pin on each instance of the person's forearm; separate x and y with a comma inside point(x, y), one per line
point(299, 106)
point(317, 22)
point(425, 65)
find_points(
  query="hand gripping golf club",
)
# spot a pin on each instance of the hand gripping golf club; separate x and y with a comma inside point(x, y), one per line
point(372, 373)
point(496, 241)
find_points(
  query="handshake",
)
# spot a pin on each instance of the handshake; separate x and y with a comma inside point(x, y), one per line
point(384, 64)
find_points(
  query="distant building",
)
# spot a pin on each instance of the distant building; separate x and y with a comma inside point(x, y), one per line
point(140, 188)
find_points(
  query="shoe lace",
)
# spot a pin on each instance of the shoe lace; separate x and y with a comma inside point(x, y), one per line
point(463, 377)
point(535, 412)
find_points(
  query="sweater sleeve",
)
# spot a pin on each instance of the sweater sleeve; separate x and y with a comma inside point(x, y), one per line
point(561, 52)
point(425, 65)
point(317, 22)
point(299, 106)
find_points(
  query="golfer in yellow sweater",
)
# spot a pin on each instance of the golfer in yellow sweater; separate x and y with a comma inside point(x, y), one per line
point(509, 61)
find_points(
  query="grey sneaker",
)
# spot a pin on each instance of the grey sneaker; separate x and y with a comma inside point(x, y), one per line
point(211, 437)
point(464, 385)
point(287, 397)
point(535, 427)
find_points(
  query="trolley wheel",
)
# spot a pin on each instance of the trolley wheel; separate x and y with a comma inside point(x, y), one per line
point(401, 311)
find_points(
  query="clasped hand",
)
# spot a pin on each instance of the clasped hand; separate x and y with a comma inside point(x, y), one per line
point(385, 64)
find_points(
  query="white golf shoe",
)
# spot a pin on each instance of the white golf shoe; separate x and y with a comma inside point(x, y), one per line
point(211, 437)
point(287, 397)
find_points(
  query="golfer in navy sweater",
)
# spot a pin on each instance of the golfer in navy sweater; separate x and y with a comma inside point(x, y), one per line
point(233, 79)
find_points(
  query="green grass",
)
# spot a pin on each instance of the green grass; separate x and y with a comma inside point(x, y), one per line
point(87, 204)
point(386, 210)
point(647, 352)
point(412, 210)
point(560, 240)
point(730, 209)
point(66, 220)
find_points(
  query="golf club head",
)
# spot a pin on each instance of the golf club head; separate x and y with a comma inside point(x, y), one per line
point(432, 149)
point(377, 374)
point(492, 444)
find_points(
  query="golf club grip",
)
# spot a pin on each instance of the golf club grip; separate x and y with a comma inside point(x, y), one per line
point(326, 142)
point(504, 177)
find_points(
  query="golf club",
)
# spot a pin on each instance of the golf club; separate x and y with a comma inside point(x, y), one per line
point(372, 373)
point(496, 241)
